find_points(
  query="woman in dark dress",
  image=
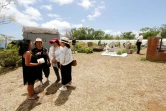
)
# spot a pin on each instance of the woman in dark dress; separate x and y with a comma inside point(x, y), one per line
point(29, 67)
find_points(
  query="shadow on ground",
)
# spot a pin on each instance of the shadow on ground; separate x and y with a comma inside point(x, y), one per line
point(28, 105)
point(53, 88)
point(64, 96)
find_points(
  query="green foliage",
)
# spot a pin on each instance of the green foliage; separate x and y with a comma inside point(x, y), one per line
point(95, 44)
point(82, 47)
point(143, 59)
point(12, 45)
point(152, 32)
point(108, 37)
point(133, 46)
point(85, 49)
point(128, 36)
point(117, 44)
point(9, 58)
point(121, 51)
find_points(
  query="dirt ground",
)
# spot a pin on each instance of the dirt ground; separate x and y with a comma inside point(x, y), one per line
point(100, 83)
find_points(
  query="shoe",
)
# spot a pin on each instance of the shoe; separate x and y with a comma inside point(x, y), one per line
point(63, 88)
point(33, 98)
point(57, 80)
point(68, 84)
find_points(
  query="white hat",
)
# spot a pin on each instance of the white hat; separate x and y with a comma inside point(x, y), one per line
point(38, 40)
point(65, 40)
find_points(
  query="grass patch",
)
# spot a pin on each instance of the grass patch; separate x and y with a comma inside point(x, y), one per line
point(143, 59)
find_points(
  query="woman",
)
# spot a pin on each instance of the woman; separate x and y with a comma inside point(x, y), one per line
point(66, 63)
point(41, 52)
point(29, 67)
point(54, 54)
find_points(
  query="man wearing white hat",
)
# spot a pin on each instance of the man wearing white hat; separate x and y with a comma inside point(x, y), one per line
point(41, 52)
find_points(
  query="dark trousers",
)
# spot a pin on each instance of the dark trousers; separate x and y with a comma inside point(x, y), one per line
point(43, 68)
point(66, 73)
point(138, 47)
point(56, 70)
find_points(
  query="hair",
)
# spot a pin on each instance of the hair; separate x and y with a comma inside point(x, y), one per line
point(57, 43)
point(23, 46)
point(67, 45)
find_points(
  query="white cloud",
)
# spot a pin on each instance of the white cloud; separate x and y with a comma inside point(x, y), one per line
point(102, 2)
point(82, 20)
point(48, 7)
point(26, 2)
point(77, 25)
point(57, 24)
point(56, 16)
point(59, 18)
point(97, 13)
point(21, 18)
point(62, 2)
point(86, 3)
point(53, 15)
point(112, 33)
point(33, 13)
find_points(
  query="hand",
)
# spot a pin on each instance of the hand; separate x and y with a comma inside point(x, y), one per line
point(54, 61)
point(49, 64)
point(39, 53)
point(39, 63)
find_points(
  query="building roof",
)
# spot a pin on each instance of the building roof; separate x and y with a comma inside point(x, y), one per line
point(40, 30)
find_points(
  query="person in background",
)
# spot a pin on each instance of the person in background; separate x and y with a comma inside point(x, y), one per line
point(99, 43)
point(54, 54)
point(40, 52)
point(139, 42)
point(66, 64)
point(29, 65)
point(73, 45)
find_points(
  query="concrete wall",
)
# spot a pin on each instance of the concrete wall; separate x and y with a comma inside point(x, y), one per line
point(144, 42)
point(45, 38)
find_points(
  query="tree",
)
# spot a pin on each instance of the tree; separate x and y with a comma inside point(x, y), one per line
point(5, 39)
point(150, 32)
point(128, 35)
point(4, 19)
point(12, 44)
point(108, 37)
point(163, 30)
point(98, 34)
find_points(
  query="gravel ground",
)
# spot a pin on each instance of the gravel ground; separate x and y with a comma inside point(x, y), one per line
point(99, 83)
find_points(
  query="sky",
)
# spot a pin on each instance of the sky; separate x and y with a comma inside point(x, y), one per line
point(111, 16)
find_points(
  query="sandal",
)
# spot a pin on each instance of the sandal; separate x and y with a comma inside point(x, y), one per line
point(33, 98)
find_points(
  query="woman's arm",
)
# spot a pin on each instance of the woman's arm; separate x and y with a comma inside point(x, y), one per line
point(62, 57)
point(50, 54)
point(27, 57)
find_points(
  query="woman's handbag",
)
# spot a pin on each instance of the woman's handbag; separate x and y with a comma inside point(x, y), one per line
point(74, 62)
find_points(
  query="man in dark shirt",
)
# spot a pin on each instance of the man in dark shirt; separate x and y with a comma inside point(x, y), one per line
point(40, 52)
point(73, 45)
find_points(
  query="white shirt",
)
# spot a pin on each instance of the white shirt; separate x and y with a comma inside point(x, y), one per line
point(140, 38)
point(54, 52)
point(65, 56)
